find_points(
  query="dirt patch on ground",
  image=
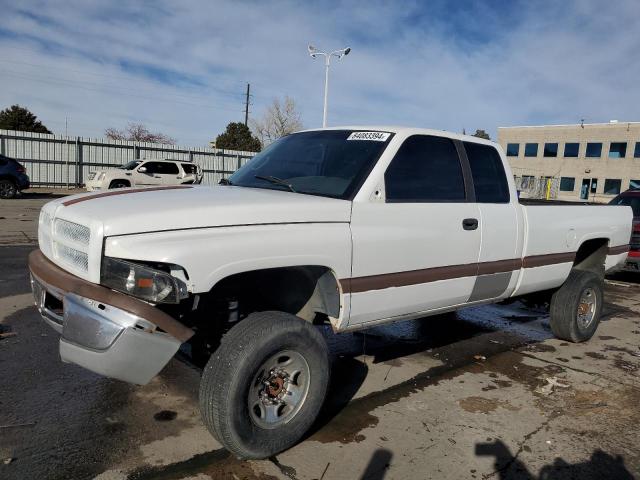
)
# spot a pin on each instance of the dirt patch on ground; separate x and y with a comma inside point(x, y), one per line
point(484, 405)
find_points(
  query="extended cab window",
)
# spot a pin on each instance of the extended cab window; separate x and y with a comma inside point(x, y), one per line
point(425, 169)
point(487, 171)
point(161, 168)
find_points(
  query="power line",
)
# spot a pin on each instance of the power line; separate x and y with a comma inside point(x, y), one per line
point(106, 88)
point(107, 75)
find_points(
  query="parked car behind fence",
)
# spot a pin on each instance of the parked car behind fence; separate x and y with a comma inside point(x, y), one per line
point(142, 173)
point(13, 177)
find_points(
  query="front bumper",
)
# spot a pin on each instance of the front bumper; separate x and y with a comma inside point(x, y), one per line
point(107, 332)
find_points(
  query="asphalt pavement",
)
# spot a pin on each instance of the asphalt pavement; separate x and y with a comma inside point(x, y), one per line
point(487, 393)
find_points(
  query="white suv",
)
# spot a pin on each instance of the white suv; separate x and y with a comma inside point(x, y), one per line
point(140, 173)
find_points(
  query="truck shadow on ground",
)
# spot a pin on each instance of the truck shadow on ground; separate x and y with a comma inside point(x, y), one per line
point(39, 196)
point(509, 467)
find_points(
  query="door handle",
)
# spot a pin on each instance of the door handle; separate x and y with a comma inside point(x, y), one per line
point(470, 223)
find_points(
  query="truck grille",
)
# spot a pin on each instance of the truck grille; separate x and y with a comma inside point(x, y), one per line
point(66, 243)
point(71, 256)
point(72, 231)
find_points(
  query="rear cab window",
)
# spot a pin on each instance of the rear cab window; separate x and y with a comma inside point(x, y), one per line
point(487, 170)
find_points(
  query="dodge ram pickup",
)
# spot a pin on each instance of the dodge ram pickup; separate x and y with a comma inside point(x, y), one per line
point(350, 227)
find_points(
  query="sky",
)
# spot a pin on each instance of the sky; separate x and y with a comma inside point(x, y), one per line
point(181, 67)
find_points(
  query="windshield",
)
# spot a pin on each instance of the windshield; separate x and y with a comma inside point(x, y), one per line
point(131, 165)
point(629, 200)
point(330, 163)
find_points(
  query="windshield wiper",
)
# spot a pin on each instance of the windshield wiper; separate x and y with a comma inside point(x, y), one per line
point(277, 181)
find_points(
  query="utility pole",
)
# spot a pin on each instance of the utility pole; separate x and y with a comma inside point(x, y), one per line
point(246, 106)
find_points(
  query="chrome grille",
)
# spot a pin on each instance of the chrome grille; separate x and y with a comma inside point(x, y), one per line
point(73, 257)
point(72, 231)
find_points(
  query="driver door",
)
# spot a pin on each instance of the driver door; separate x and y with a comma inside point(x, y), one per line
point(418, 250)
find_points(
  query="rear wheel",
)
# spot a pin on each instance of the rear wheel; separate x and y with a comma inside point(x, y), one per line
point(8, 189)
point(576, 306)
point(263, 387)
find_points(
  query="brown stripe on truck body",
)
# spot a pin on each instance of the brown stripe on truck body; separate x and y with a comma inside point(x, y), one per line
point(121, 191)
point(414, 277)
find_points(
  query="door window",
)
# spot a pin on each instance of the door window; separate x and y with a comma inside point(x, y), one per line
point(161, 168)
point(425, 169)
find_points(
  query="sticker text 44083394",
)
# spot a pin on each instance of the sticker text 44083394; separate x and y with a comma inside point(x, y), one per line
point(369, 136)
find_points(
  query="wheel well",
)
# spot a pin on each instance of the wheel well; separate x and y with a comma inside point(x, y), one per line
point(8, 177)
point(118, 180)
point(592, 255)
point(307, 291)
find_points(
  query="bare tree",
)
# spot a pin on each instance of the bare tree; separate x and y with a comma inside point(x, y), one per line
point(137, 132)
point(281, 118)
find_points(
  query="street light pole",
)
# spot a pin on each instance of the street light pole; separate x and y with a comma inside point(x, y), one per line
point(314, 52)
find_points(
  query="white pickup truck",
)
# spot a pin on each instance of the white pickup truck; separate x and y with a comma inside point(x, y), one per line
point(351, 227)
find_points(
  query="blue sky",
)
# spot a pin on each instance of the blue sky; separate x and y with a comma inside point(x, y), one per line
point(181, 67)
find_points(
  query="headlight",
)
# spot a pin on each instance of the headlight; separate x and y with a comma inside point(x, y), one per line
point(142, 281)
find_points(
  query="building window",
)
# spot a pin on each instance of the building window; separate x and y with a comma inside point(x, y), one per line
point(636, 151)
point(618, 150)
point(571, 149)
point(567, 184)
point(531, 150)
point(513, 149)
point(594, 150)
point(612, 186)
point(634, 184)
point(550, 149)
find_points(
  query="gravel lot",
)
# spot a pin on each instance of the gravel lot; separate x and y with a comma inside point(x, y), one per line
point(486, 394)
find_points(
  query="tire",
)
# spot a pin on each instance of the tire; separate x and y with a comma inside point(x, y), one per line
point(119, 184)
point(235, 403)
point(8, 189)
point(566, 321)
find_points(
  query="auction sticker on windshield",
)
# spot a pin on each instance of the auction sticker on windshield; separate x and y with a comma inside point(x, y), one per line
point(375, 136)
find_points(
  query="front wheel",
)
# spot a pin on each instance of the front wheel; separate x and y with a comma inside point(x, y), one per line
point(263, 387)
point(8, 189)
point(119, 184)
point(576, 306)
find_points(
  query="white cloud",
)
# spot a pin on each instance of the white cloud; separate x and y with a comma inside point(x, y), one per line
point(424, 64)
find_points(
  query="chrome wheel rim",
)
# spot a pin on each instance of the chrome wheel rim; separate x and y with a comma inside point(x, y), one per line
point(586, 308)
point(278, 389)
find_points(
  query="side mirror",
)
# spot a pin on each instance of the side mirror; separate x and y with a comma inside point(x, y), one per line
point(142, 169)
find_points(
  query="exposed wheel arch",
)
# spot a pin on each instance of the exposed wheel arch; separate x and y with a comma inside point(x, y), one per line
point(591, 255)
point(304, 290)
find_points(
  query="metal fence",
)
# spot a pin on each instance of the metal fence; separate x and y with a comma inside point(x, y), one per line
point(60, 161)
point(542, 187)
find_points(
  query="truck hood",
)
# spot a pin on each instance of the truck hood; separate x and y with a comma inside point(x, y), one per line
point(129, 211)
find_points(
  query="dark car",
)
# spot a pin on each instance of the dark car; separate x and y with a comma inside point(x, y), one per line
point(13, 177)
point(632, 199)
